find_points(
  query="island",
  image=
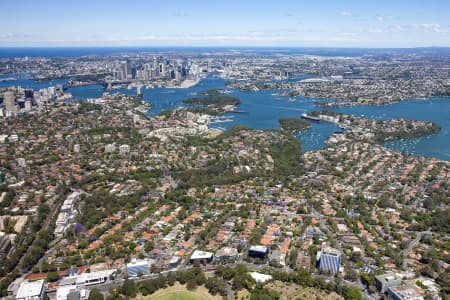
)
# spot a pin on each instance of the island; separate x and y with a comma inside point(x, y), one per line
point(213, 105)
point(293, 124)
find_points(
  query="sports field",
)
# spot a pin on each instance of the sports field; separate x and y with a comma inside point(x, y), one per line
point(181, 295)
point(179, 292)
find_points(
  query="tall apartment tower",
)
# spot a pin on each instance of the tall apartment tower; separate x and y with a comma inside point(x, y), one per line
point(9, 101)
point(330, 260)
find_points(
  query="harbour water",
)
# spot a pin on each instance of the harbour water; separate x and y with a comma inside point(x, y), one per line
point(261, 110)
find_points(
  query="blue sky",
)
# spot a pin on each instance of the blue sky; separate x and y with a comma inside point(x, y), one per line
point(333, 23)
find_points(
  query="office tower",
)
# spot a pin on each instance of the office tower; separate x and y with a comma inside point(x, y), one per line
point(162, 70)
point(125, 69)
point(209, 65)
point(29, 94)
point(28, 104)
point(9, 100)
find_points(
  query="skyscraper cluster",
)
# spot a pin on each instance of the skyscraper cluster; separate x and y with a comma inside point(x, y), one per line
point(158, 68)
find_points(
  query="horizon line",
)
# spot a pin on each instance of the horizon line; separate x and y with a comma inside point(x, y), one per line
point(218, 46)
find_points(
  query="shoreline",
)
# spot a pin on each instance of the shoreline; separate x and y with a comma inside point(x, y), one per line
point(188, 83)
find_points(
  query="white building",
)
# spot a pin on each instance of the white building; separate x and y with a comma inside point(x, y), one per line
point(201, 256)
point(124, 149)
point(110, 148)
point(86, 279)
point(31, 290)
point(259, 277)
point(21, 162)
point(138, 267)
point(66, 214)
point(64, 292)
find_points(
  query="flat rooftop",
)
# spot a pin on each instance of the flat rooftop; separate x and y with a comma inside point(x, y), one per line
point(29, 289)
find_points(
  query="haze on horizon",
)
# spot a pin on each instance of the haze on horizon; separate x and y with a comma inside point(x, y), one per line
point(284, 23)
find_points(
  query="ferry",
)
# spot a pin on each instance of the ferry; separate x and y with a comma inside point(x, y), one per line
point(311, 118)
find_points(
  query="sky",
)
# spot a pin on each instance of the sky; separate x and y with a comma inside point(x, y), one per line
point(282, 23)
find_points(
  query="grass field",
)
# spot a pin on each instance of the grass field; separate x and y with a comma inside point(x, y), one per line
point(291, 291)
point(181, 295)
point(179, 292)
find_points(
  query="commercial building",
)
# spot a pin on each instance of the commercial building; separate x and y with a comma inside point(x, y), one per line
point(227, 254)
point(329, 260)
point(259, 251)
point(9, 100)
point(86, 279)
point(405, 292)
point(201, 256)
point(385, 281)
point(71, 292)
point(138, 267)
point(31, 290)
point(174, 261)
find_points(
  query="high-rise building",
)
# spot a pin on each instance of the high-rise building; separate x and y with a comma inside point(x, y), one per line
point(28, 104)
point(330, 260)
point(9, 100)
point(162, 70)
point(125, 69)
point(29, 94)
point(209, 65)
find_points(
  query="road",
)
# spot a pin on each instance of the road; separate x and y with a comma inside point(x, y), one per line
point(45, 226)
point(411, 246)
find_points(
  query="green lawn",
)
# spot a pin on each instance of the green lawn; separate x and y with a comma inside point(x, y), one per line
point(181, 295)
point(179, 292)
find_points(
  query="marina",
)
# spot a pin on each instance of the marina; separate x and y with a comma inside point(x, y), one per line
point(310, 118)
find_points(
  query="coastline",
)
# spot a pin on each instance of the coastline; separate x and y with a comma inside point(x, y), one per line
point(188, 83)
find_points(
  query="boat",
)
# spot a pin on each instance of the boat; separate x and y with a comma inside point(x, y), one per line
point(311, 118)
point(292, 99)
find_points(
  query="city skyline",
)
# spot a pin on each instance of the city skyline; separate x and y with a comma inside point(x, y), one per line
point(201, 23)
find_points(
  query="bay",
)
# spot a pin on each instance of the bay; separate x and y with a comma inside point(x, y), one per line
point(261, 110)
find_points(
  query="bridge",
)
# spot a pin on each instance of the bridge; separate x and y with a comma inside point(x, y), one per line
point(103, 83)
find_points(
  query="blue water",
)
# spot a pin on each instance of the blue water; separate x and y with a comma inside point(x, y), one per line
point(261, 110)
point(436, 110)
point(24, 81)
point(84, 51)
point(258, 110)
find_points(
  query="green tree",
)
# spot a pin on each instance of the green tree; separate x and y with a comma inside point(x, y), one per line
point(128, 288)
point(95, 294)
point(304, 278)
point(52, 276)
point(353, 293)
